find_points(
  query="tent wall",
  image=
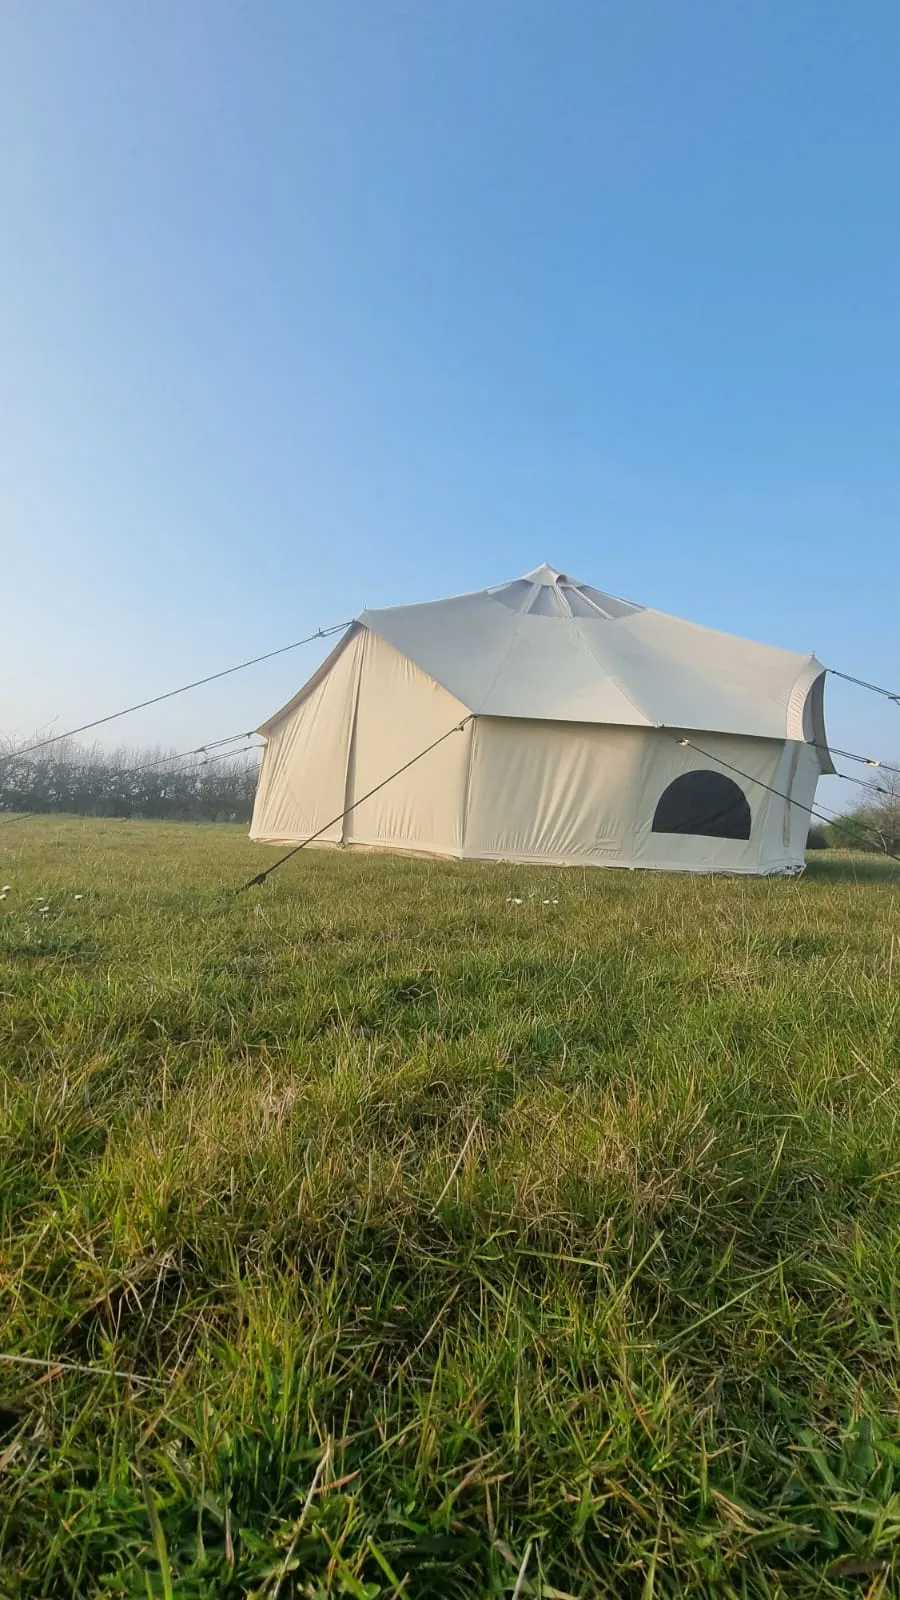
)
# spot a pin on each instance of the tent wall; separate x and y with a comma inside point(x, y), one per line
point(798, 773)
point(587, 795)
point(303, 779)
point(400, 711)
point(772, 846)
point(551, 791)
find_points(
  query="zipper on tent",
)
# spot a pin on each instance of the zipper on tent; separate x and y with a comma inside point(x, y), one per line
point(789, 787)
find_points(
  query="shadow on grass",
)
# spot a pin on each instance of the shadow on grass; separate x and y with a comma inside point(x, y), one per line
point(850, 866)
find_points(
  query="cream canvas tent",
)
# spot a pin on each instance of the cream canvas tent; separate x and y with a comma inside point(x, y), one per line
point(589, 731)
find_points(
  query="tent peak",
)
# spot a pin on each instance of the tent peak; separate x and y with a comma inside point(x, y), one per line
point(547, 592)
point(545, 574)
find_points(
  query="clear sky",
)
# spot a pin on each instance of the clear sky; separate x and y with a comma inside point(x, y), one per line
point(306, 306)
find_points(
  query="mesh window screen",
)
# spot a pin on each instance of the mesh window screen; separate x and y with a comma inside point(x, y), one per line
point(704, 803)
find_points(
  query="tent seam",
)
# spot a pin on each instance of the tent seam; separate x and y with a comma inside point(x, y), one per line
point(351, 743)
point(611, 675)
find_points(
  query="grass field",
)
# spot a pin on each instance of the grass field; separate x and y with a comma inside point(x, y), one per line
point(425, 1243)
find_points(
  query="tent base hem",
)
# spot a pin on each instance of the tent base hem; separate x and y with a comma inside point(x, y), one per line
point(778, 868)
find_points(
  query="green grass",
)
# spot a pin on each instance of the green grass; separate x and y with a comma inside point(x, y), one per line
point(426, 1244)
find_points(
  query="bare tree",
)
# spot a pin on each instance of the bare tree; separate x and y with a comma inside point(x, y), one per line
point(881, 809)
point(875, 823)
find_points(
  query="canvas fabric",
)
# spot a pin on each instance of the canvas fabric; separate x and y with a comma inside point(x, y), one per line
point(560, 759)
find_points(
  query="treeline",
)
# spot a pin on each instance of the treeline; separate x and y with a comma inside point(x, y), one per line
point(91, 782)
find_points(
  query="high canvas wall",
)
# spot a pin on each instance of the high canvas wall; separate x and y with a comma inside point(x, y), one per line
point(399, 711)
point(551, 791)
point(775, 844)
point(585, 794)
point(304, 772)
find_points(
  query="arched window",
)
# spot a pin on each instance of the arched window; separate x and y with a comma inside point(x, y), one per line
point(707, 803)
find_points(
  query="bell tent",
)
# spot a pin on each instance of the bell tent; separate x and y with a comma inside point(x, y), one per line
point(544, 721)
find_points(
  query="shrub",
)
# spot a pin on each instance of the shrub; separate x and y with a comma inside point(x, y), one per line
point(129, 783)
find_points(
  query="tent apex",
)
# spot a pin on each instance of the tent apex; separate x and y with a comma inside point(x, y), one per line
point(544, 574)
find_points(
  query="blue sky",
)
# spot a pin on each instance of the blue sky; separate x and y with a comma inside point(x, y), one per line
point(307, 306)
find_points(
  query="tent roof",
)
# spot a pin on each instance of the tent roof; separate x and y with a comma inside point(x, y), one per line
point(548, 647)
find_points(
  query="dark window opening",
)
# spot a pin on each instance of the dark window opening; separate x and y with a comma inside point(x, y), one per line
point(707, 803)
